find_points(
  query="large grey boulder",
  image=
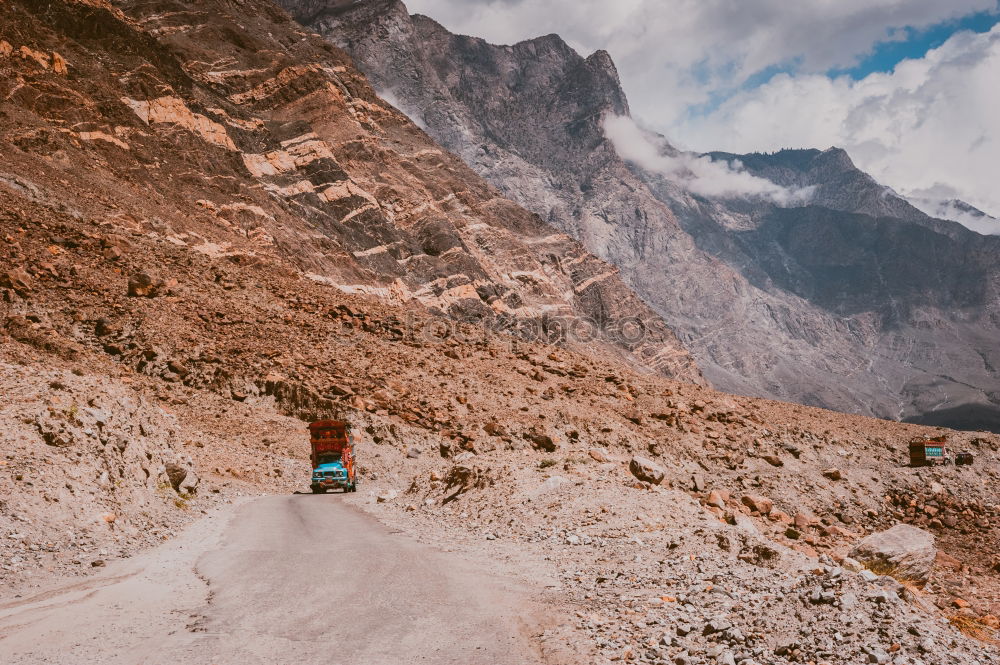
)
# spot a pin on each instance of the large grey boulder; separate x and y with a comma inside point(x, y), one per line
point(904, 551)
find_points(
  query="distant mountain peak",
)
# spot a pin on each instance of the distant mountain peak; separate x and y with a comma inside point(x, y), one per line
point(839, 157)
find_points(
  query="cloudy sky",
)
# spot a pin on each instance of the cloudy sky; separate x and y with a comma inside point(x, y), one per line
point(911, 88)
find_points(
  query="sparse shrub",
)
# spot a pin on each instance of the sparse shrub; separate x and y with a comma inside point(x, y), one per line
point(974, 627)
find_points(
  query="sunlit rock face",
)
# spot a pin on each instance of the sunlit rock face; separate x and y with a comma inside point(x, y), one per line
point(231, 130)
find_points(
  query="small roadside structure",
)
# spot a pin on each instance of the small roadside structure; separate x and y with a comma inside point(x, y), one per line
point(929, 452)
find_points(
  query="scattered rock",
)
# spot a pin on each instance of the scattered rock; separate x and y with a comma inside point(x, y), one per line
point(141, 285)
point(758, 504)
point(18, 280)
point(645, 470)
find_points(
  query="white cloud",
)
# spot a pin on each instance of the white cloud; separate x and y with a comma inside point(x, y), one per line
point(953, 210)
point(931, 123)
point(697, 174)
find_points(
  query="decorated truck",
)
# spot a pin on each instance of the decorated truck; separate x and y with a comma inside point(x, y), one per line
point(332, 444)
point(929, 452)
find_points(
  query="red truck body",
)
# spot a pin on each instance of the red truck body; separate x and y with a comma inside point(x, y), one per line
point(332, 442)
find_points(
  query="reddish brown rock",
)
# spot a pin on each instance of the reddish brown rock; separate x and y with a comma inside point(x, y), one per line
point(716, 499)
point(758, 504)
point(18, 280)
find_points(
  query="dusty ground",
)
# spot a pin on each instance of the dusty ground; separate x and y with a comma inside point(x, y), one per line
point(628, 563)
point(293, 578)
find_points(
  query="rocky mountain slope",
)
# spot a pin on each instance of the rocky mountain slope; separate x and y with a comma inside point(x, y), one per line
point(274, 143)
point(753, 288)
point(172, 312)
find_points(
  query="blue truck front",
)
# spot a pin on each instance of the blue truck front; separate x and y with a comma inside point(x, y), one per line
point(329, 476)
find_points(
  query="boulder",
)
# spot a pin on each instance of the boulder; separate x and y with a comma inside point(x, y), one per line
point(177, 474)
point(17, 280)
point(59, 64)
point(774, 460)
point(599, 455)
point(541, 441)
point(758, 504)
point(634, 416)
point(852, 565)
point(645, 470)
point(804, 520)
point(833, 474)
point(190, 483)
point(904, 551)
point(141, 285)
point(715, 498)
point(494, 429)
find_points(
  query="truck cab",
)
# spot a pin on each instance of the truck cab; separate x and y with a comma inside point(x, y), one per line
point(330, 474)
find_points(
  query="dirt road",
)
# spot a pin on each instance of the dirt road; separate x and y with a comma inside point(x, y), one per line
point(293, 579)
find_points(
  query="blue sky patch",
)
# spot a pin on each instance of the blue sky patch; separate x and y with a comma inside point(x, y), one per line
point(915, 44)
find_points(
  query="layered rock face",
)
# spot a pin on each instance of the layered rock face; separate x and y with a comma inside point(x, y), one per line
point(855, 301)
point(254, 138)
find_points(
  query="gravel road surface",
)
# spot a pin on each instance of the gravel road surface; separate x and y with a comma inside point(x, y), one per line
point(277, 580)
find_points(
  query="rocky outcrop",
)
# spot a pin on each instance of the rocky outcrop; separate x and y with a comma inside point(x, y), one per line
point(857, 301)
point(285, 151)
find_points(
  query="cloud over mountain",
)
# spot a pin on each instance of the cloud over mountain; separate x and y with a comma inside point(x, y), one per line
point(930, 125)
point(698, 174)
